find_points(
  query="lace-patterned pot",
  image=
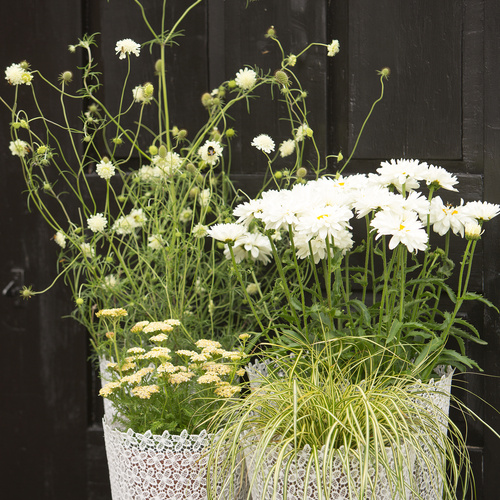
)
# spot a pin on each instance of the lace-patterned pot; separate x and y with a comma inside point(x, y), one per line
point(299, 482)
point(153, 467)
point(429, 483)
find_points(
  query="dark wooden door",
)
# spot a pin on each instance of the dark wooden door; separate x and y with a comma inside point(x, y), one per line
point(442, 105)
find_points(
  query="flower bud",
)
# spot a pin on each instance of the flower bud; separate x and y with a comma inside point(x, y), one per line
point(25, 65)
point(158, 66)
point(340, 156)
point(182, 133)
point(281, 77)
point(110, 335)
point(153, 150)
point(278, 174)
point(292, 60)
point(122, 198)
point(79, 301)
point(117, 141)
point(162, 151)
point(194, 192)
point(230, 133)
point(72, 48)
point(231, 84)
point(473, 231)
point(41, 150)
point(93, 108)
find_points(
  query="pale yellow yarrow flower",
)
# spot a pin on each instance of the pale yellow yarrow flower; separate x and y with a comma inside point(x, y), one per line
point(145, 391)
point(109, 388)
point(117, 312)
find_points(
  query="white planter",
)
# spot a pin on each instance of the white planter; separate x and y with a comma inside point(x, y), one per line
point(299, 482)
point(429, 482)
point(153, 467)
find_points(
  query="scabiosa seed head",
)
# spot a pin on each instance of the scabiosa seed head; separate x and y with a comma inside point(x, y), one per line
point(66, 77)
point(384, 72)
point(301, 172)
point(207, 100)
point(162, 151)
point(271, 32)
point(158, 66)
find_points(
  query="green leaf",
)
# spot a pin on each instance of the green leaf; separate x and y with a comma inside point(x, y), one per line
point(395, 329)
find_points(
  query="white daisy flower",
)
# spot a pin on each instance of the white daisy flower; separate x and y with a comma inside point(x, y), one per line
point(445, 217)
point(402, 172)
point(127, 46)
point(263, 143)
point(19, 148)
point(105, 169)
point(246, 78)
point(333, 48)
point(481, 210)
point(404, 227)
point(227, 233)
point(324, 221)
point(255, 246)
point(210, 152)
point(287, 148)
point(473, 231)
point(15, 74)
point(439, 177)
point(97, 223)
point(246, 211)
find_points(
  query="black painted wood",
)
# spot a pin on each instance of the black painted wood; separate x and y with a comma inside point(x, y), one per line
point(442, 105)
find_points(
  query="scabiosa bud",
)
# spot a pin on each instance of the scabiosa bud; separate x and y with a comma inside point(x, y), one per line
point(41, 150)
point(291, 60)
point(158, 66)
point(231, 84)
point(118, 141)
point(162, 152)
point(230, 133)
point(182, 134)
point(153, 150)
point(72, 48)
point(281, 77)
point(278, 175)
point(79, 301)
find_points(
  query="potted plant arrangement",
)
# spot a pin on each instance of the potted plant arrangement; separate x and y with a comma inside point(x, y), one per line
point(349, 402)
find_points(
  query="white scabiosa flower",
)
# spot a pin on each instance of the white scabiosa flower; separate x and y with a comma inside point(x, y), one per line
point(19, 148)
point(227, 233)
point(287, 148)
point(15, 74)
point(97, 223)
point(143, 93)
point(156, 241)
point(210, 152)
point(263, 143)
point(199, 230)
point(302, 132)
point(204, 197)
point(111, 281)
point(60, 239)
point(87, 250)
point(168, 164)
point(246, 78)
point(404, 227)
point(127, 46)
point(333, 48)
point(186, 215)
point(105, 169)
